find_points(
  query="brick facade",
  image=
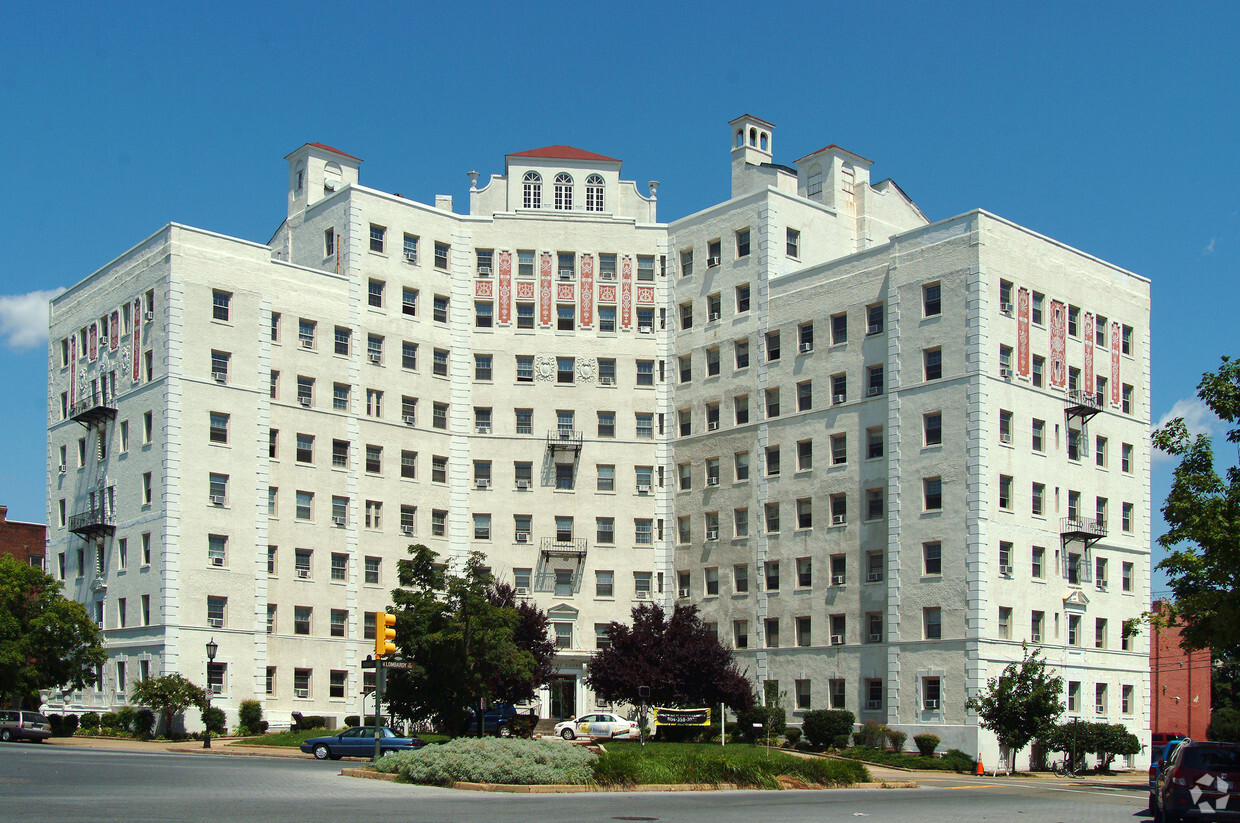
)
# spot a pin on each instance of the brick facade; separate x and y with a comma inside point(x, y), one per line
point(25, 541)
point(1179, 684)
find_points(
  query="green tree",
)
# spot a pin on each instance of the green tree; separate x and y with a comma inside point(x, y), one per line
point(169, 696)
point(678, 658)
point(1224, 725)
point(470, 644)
point(1202, 512)
point(1020, 704)
point(46, 640)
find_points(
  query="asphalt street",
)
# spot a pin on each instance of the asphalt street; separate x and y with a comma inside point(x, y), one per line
point(56, 783)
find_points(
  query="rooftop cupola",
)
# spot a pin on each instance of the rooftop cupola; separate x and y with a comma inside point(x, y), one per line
point(316, 171)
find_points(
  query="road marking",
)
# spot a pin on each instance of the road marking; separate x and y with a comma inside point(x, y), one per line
point(979, 786)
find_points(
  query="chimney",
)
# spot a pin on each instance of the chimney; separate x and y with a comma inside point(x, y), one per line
point(4, 513)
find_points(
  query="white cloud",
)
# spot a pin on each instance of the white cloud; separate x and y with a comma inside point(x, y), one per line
point(1209, 249)
point(23, 318)
point(1197, 417)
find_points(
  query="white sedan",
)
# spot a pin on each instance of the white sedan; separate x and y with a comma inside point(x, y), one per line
point(599, 724)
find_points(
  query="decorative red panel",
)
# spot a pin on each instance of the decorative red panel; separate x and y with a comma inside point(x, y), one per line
point(137, 338)
point(114, 331)
point(1116, 346)
point(1059, 345)
point(544, 289)
point(505, 287)
point(483, 288)
point(564, 292)
point(587, 290)
point(73, 369)
point(626, 292)
point(525, 290)
point(1087, 381)
point(606, 293)
point(1022, 332)
point(645, 294)
point(94, 341)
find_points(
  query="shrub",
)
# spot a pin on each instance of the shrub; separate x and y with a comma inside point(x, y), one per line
point(897, 739)
point(771, 718)
point(143, 723)
point(90, 722)
point(493, 760)
point(70, 724)
point(793, 736)
point(872, 734)
point(57, 724)
point(959, 761)
point(313, 721)
point(215, 720)
point(249, 716)
point(352, 720)
point(626, 764)
point(926, 743)
point(523, 725)
point(688, 734)
point(109, 720)
point(824, 725)
point(124, 718)
point(840, 741)
point(1224, 725)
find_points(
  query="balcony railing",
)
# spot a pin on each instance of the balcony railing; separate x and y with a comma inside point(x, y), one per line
point(98, 520)
point(551, 547)
point(1083, 405)
point(1088, 531)
point(566, 439)
point(92, 409)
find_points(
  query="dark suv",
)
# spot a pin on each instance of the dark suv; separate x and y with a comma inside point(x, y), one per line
point(19, 725)
point(1200, 780)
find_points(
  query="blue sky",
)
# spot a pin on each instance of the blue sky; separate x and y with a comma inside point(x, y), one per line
point(1111, 128)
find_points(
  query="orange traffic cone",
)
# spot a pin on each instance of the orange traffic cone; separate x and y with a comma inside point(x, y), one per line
point(980, 769)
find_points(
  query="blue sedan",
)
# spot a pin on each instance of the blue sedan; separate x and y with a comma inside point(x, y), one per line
point(359, 742)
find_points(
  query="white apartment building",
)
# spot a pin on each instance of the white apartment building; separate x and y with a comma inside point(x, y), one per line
point(880, 453)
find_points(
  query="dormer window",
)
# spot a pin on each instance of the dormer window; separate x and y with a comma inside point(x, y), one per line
point(813, 183)
point(594, 193)
point(563, 191)
point(532, 190)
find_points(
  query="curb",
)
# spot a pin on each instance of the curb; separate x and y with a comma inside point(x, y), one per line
point(573, 788)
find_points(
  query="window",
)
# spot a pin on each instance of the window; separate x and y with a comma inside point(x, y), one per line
point(1074, 630)
point(339, 624)
point(874, 375)
point(772, 403)
point(742, 298)
point(305, 448)
point(932, 490)
point(932, 299)
point(1126, 340)
point(712, 362)
point(220, 301)
point(932, 361)
point(805, 514)
point(839, 388)
point(772, 346)
point(1074, 317)
point(932, 558)
point(408, 519)
point(439, 522)
point(741, 466)
point(771, 628)
point(531, 190)
point(305, 505)
point(563, 191)
point(305, 390)
point(441, 256)
point(803, 629)
point(1005, 492)
point(1126, 512)
point(1037, 557)
point(740, 405)
point(219, 365)
point(933, 623)
point(1037, 497)
point(594, 193)
point(374, 293)
point(219, 428)
point(805, 337)
point(742, 243)
point(146, 489)
point(439, 415)
point(606, 318)
point(772, 460)
point(301, 619)
point(839, 449)
point(374, 514)
point(642, 531)
point(1126, 403)
point(932, 427)
point(1038, 438)
point(1100, 632)
point(1039, 370)
point(410, 249)
point(377, 234)
point(645, 425)
point(564, 369)
point(301, 682)
point(771, 510)
point(645, 270)
point(1036, 619)
point(805, 455)
point(712, 582)
point(874, 442)
point(565, 314)
point(792, 243)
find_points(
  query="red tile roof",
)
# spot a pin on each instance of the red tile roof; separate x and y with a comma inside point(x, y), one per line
point(564, 153)
point(326, 147)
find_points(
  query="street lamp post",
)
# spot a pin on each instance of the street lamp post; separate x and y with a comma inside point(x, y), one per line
point(212, 648)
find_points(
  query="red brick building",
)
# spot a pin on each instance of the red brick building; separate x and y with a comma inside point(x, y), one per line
point(1180, 684)
point(25, 541)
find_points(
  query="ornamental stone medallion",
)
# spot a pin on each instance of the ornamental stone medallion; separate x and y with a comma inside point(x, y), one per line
point(586, 369)
point(544, 367)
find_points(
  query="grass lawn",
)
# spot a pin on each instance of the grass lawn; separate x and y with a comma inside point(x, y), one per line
point(743, 764)
point(949, 763)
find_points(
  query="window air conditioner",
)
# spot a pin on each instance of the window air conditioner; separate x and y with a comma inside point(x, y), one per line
point(683, 593)
point(837, 398)
point(305, 401)
point(713, 534)
point(523, 591)
point(411, 257)
point(409, 419)
point(873, 577)
point(1006, 308)
point(873, 329)
point(932, 704)
point(1006, 374)
point(217, 499)
point(1005, 437)
point(644, 329)
point(215, 622)
point(711, 262)
point(714, 315)
point(837, 640)
point(643, 489)
point(339, 521)
point(642, 595)
point(301, 693)
point(873, 390)
point(875, 637)
point(62, 468)
point(712, 425)
point(307, 342)
point(807, 347)
point(1006, 571)
point(483, 483)
point(523, 537)
point(220, 376)
point(837, 580)
point(484, 271)
point(712, 481)
point(523, 484)
point(607, 275)
point(406, 530)
point(483, 429)
point(217, 561)
point(150, 315)
point(304, 574)
point(375, 357)
point(1102, 583)
point(566, 274)
point(873, 704)
point(837, 519)
point(607, 381)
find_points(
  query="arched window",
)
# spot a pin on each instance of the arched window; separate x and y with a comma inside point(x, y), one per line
point(532, 190)
point(563, 191)
point(300, 174)
point(331, 176)
point(740, 138)
point(753, 137)
point(594, 192)
point(813, 183)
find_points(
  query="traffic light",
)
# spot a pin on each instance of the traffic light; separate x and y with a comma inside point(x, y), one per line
point(385, 633)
